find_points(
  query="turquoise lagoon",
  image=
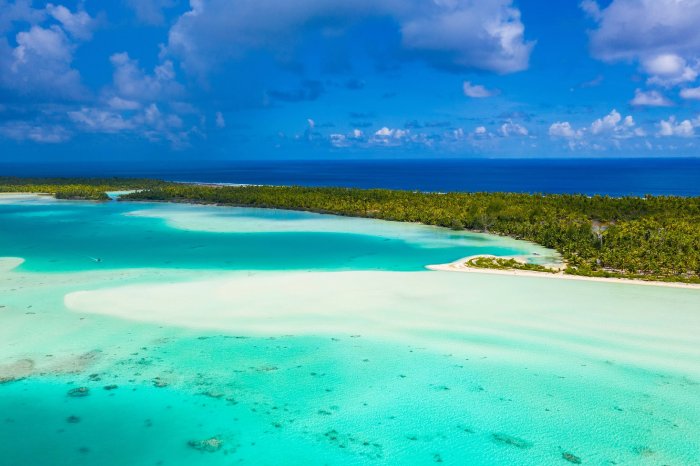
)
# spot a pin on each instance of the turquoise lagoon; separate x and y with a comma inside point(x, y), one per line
point(296, 338)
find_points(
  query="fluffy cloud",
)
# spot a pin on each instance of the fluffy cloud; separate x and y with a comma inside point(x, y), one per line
point(591, 8)
point(691, 93)
point(131, 83)
point(150, 11)
point(662, 35)
point(563, 129)
point(683, 129)
point(140, 103)
point(669, 69)
point(461, 34)
point(444, 138)
point(612, 123)
point(40, 64)
point(510, 128)
point(650, 99)
point(18, 11)
point(49, 44)
point(476, 91)
point(482, 35)
point(149, 122)
point(610, 127)
point(354, 137)
point(339, 140)
point(36, 67)
point(390, 136)
point(40, 133)
point(118, 103)
point(79, 24)
point(100, 121)
point(39, 67)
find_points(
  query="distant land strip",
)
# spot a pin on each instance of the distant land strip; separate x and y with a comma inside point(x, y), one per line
point(654, 238)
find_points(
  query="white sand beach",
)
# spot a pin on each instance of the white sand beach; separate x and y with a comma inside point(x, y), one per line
point(461, 266)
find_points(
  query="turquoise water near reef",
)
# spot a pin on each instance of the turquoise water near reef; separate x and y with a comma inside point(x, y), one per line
point(239, 336)
point(69, 236)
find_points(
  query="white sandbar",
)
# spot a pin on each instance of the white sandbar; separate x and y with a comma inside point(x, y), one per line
point(512, 316)
point(9, 263)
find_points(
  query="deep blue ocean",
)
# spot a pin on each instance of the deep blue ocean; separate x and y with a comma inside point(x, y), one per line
point(615, 177)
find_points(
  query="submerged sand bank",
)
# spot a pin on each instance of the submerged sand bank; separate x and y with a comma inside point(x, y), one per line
point(9, 263)
point(461, 266)
point(445, 312)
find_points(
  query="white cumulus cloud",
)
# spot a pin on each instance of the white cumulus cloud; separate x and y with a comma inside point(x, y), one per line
point(35, 132)
point(131, 83)
point(100, 121)
point(39, 60)
point(476, 91)
point(151, 11)
point(691, 93)
point(79, 24)
point(563, 129)
point(611, 128)
point(662, 35)
point(461, 34)
point(672, 127)
point(669, 69)
point(511, 128)
point(651, 98)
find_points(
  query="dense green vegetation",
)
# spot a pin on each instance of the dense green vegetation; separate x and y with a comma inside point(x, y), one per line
point(654, 237)
point(73, 188)
point(506, 264)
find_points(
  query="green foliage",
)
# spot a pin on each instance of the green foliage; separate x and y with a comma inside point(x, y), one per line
point(654, 237)
point(79, 192)
point(74, 188)
point(500, 263)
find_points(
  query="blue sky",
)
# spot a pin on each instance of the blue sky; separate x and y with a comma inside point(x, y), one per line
point(248, 79)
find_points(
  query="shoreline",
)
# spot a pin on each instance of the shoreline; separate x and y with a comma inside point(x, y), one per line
point(460, 266)
point(455, 266)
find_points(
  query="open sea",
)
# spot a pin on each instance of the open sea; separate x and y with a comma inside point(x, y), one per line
point(181, 335)
point(611, 176)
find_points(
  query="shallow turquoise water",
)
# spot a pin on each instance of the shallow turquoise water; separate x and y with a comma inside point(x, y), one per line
point(294, 339)
point(67, 236)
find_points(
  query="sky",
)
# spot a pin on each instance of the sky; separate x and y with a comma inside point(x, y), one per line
point(335, 79)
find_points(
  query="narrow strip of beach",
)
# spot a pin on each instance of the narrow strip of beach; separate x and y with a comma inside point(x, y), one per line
point(460, 265)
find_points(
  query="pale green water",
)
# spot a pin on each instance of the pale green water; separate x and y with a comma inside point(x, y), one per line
point(296, 339)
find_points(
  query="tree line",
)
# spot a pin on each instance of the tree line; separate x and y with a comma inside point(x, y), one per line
point(650, 237)
point(93, 189)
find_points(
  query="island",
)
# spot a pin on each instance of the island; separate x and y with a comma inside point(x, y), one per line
point(650, 238)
